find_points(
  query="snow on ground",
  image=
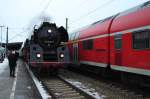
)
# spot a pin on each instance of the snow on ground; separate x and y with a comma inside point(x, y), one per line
point(3, 65)
point(39, 86)
point(82, 87)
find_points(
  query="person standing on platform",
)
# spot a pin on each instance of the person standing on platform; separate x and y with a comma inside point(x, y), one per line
point(12, 58)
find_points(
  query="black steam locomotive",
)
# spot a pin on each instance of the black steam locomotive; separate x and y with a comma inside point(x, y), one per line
point(44, 49)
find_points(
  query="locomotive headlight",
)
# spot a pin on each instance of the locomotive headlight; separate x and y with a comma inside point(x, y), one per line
point(49, 31)
point(38, 55)
point(61, 55)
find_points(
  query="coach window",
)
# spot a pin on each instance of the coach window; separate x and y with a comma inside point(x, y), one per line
point(77, 35)
point(87, 45)
point(141, 39)
point(72, 36)
point(118, 41)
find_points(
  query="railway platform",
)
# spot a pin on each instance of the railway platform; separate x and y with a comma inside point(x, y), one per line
point(19, 87)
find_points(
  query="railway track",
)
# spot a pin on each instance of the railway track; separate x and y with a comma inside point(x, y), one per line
point(108, 88)
point(61, 89)
point(57, 87)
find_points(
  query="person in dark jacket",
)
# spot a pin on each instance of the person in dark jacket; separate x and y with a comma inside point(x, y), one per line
point(12, 58)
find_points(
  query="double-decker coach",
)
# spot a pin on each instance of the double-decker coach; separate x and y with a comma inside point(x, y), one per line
point(118, 43)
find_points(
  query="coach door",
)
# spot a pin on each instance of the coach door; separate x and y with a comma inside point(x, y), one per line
point(75, 53)
point(118, 49)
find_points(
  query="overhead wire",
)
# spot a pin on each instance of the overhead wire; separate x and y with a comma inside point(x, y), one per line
point(42, 11)
point(78, 6)
point(92, 11)
point(46, 7)
point(18, 34)
point(82, 3)
point(4, 38)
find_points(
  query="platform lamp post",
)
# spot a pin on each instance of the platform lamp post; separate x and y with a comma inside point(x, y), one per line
point(1, 34)
point(6, 51)
point(67, 24)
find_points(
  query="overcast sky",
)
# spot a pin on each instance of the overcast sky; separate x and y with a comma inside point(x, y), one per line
point(20, 15)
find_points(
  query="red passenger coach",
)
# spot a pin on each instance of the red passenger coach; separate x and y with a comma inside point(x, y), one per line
point(130, 34)
point(120, 43)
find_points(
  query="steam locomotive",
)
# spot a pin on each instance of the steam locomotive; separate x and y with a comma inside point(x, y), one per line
point(119, 44)
point(43, 49)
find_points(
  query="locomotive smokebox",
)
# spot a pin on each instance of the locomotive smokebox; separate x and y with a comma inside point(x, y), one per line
point(48, 35)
